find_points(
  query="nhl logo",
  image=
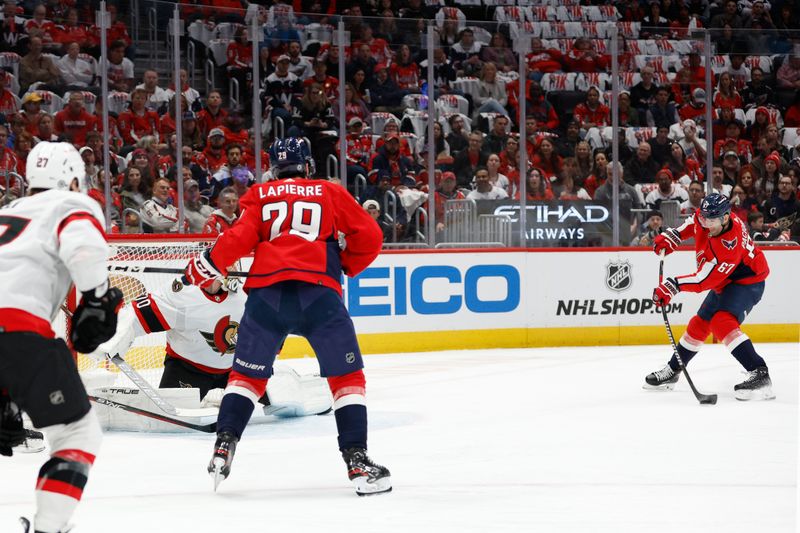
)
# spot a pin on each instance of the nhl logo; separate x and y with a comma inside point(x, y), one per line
point(618, 276)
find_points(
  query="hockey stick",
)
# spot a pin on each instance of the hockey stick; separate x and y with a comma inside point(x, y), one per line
point(206, 428)
point(704, 399)
point(167, 270)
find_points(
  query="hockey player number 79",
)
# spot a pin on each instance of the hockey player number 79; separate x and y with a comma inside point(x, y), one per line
point(306, 218)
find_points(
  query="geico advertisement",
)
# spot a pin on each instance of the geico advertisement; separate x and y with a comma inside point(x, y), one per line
point(615, 288)
point(427, 292)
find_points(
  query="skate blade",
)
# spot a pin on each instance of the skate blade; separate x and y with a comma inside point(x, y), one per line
point(379, 486)
point(663, 387)
point(764, 393)
point(216, 471)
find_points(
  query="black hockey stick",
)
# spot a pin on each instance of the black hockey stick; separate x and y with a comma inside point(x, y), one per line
point(704, 399)
point(205, 428)
point(165, 270)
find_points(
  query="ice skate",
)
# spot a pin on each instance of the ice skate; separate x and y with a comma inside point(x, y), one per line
point(367, 477)
point(757, 386)
point(220, 465)
point(26, 526)
point(664, 379)
point(34, 442)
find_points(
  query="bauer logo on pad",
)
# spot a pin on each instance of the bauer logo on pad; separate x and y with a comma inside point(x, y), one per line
point(618, 276)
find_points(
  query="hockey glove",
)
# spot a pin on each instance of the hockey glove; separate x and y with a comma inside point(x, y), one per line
point(95, 319)
point(11, 430)
point(664, 292)
point(668, 241)
point(201, 271)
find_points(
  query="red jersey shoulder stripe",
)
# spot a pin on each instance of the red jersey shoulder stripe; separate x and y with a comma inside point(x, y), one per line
point(80, 215)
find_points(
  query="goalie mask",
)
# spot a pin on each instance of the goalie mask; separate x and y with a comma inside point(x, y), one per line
point(55, 166)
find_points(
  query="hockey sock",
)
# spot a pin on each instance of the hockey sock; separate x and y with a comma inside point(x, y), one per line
point(726, 328)
point(241, 396)
point(59, 488)
point(350, 409)
point(691, 341)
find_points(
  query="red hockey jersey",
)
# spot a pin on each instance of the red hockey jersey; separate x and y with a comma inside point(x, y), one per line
point(730, 257)
point(293, 227)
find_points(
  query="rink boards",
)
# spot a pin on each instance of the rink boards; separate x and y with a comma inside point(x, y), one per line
point(420, 301)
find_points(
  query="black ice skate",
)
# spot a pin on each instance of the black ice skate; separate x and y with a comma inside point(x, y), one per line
point(220, 465)
point(368, 477)
point(757, 386)
point(664, 379)
point(26, 526)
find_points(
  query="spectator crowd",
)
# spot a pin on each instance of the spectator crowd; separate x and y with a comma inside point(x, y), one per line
point(52, 68)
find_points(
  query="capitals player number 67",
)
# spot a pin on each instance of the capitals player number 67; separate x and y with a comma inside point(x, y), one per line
point(305, 222)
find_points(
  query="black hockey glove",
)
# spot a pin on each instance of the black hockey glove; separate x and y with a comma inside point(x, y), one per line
point(11, 431)
point(95, 319)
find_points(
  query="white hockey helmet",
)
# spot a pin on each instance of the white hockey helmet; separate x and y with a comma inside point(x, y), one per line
point(54, 166)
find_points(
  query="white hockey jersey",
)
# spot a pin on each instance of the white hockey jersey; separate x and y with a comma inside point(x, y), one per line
point(48, 241)
point(201, 328)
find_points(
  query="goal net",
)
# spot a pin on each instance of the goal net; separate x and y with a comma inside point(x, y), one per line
point(136, 267)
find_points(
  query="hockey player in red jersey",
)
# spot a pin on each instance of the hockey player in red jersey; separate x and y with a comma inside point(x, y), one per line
point(733, 270)
point(48, 240)
point(294, 227)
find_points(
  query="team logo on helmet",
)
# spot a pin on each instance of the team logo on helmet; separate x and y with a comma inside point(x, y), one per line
point(731, 244)
point(223, 339)
point(618, 276)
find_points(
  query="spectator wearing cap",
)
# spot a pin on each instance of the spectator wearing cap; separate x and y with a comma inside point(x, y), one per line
point(390, 162)
point(138, 121)
point(662, 112)
point(446, 190)
point(74, 122)
point(373, 208)
point(650, 229)
point(692, 144)
point(31, 112)
point(768, 177)
point(195, 211)
point(696, 108)
point(158, 214)
point(329, 84)
point(35, 67)
point(668, 189)
point(157, 98)
point(385, 95)
point(192, 95)
point(281, 90)
point(212, 115)
point(756, 92)
point(758, 128)
point(213, 157)
point(75, 72)
point(233, 172)
point(484, 189)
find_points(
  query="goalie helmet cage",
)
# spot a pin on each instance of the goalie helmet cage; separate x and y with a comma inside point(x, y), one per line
point(131, 261)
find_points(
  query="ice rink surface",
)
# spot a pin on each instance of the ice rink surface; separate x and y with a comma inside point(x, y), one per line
point(528, 440)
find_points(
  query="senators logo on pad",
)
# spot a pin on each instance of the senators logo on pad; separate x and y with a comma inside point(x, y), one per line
point(223, 339)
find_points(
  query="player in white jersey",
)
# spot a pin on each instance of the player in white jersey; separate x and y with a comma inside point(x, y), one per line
point(201, 327)
point(49, 240)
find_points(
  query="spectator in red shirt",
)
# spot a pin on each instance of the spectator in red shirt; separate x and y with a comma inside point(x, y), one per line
point(137, 121)
point(71, 31)
point(8, 159)
point(213, 157)
point(234, 130)
point(583, 58)
point(212, 115)
point(240, 60)
point(726, 94)
point(329, 84)
point(592, 114)
point(73, 122)
point(447, 191)
point(404, 71)
point(378, 47)
point(22, 146)
point(543, 60)
point(225, 215)
point(696, 108)
point(41, 27)
point(547, 159)
point(8, 103)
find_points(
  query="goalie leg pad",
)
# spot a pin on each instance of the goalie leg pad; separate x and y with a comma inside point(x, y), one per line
point(62, 479)
point(350, 409)
point(291, 394)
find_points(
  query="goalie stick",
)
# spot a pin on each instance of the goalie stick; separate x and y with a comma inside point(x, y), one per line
point(704, 399)
point(206, 428)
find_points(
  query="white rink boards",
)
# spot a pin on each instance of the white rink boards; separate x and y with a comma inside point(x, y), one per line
point(550, 440)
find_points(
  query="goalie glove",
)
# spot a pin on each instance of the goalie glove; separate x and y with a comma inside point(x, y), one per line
point(122, 339)
point(11, 431)
point(201, 271)
point(664, 292)
point(95, 319)
point(668, 240)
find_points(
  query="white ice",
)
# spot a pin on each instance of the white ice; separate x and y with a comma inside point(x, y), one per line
point(544, 440)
